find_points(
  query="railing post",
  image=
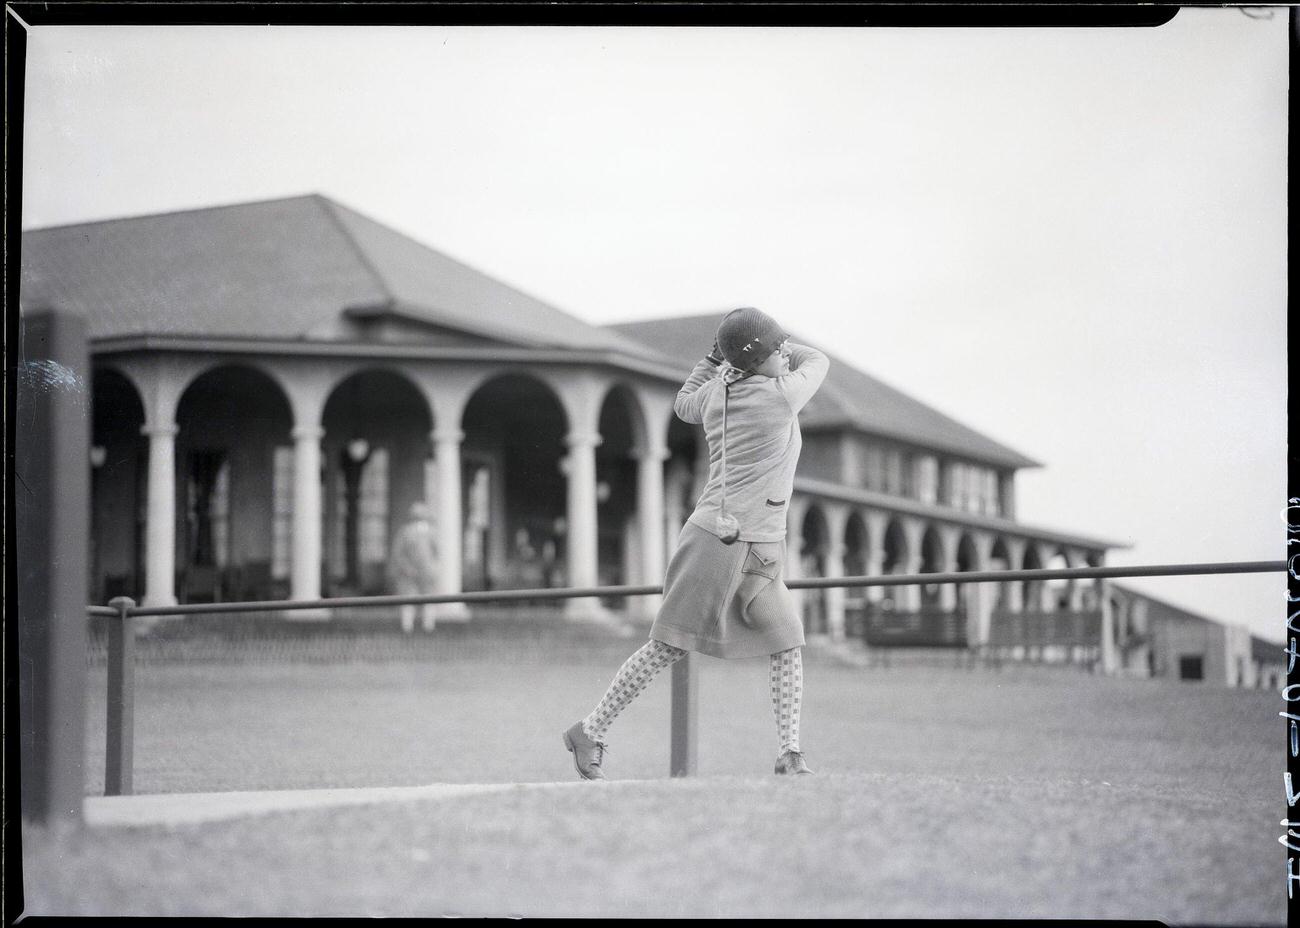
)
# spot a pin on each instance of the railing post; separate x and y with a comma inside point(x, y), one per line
point(685, 717)
point(120, 747)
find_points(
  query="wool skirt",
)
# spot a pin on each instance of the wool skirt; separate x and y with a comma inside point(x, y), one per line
point(727, 600)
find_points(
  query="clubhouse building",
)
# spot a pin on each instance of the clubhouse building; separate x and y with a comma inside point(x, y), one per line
point(276, 383)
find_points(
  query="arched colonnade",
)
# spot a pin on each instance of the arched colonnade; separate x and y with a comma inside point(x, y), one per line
point(833, 537)
point(285, 476)
point(300, 468)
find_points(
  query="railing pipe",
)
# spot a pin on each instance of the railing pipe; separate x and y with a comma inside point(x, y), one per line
point(496, 596)
point(1064, 573)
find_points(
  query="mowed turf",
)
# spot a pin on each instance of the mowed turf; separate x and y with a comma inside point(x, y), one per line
point(941, 792)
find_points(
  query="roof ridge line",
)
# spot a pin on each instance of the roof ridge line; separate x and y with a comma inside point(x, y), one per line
point(1168, 604)
point(327, 206)
point(843, 396)
point(172, 212)
point(653, 319)
point(935, 410)
point(492, 331)
point(453, 259)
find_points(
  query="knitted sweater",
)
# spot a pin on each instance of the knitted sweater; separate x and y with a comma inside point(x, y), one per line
point(763, 440)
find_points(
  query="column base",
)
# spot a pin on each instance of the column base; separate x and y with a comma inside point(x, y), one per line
point(308, 615)
point(591, 611)
point(588, 607)
point(644, 607)
point(452, 612)
point(147, 623)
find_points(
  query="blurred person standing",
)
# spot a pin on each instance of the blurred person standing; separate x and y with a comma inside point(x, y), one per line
point(413, 565)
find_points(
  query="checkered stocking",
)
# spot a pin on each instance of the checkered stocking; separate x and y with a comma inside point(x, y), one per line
point(787, 693)
point(637, 671)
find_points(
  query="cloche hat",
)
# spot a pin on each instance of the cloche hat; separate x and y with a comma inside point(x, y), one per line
point(747, 336)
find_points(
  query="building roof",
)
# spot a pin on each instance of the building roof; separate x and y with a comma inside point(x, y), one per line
point(848, 399)
point(1167, 609)
point(1267, 652)
point(946, 514)
point(1260, 647)
point(307, 269)
point(299, 268)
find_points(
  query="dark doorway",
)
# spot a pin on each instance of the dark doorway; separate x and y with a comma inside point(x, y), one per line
point(1191, 667)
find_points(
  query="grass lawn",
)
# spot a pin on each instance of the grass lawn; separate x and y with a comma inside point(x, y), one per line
point(942, 792)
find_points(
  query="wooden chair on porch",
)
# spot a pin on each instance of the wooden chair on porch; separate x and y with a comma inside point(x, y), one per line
point(201, 584)
point(251, 582)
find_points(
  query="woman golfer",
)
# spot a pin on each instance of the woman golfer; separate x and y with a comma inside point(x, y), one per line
point(723, 594)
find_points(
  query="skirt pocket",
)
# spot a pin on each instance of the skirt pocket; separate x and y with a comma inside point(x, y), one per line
point(763, 598)
point(763, 559)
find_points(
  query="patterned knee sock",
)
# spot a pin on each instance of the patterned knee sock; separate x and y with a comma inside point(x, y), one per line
point(787, 694)
point(637, 671)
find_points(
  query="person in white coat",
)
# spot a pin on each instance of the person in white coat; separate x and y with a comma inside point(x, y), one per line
point(414, 566)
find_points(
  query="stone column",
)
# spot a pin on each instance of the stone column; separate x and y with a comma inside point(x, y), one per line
point(700, 470)
point(450, 521)
point(1015, 589)
point(876, 523)
point(948, 540)
point(1044, 602)
point(650, 513)
point(1109, 651)
point(580, 467)
point(981, 594)
point(836, 521)
point(679, 478)
point(1111, 659)
point(835, 595)
point(160, 530)
point(306, 560)
point(909, 597)
point(793, 546)
point(1047, 595)
point(1076, 558)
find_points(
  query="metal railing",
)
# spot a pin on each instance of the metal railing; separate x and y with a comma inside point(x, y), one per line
point(120, 735)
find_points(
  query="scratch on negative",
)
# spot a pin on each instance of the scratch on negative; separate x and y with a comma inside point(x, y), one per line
point(51, 376)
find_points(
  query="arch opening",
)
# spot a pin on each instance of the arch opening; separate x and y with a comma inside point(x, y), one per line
point(376, 455)
point(514, 488)
point(931, 563)
point(814, 539)
point(856, 562)
point(233, 424)
point(119, 460)
point(618, 543)
point(685, 444)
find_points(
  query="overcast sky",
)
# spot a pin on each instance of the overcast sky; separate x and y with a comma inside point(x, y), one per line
point(1073, 240)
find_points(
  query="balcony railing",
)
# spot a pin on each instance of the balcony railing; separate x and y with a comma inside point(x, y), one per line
point(927, 627)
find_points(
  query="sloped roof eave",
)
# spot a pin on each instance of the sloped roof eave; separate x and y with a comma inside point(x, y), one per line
point(846, 424)
point(282, 268)
point(906, 419)
point(305, 346)
point(387, 253)
point(878, 500)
